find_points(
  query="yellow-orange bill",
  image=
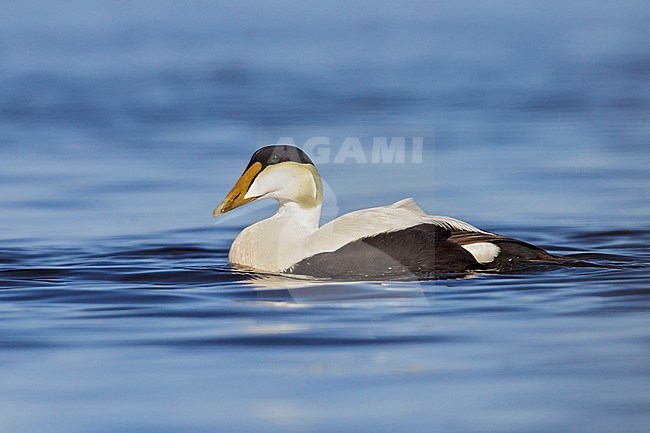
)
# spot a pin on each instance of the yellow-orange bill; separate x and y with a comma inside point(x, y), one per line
point(235, 197)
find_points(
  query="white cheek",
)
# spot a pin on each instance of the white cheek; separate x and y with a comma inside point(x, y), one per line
point(269, 182)
point(285, 181)
point(257, 189)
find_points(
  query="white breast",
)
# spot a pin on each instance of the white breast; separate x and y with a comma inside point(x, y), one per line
point(276, 243)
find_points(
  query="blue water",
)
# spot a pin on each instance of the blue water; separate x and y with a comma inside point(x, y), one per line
point(122, 125)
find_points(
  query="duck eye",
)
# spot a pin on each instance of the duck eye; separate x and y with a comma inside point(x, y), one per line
point(274, 159)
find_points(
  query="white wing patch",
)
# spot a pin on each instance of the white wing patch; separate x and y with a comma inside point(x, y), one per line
point(408, 204)
point(445, 222)
point(483, 252)
point(451, 223)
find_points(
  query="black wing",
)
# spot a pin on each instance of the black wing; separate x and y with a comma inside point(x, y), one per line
point(424, 249)
point(514, 252)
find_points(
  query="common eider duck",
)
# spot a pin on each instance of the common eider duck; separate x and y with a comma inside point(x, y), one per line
point(396, 240)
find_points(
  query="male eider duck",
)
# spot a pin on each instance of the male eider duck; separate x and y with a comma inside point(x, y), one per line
point(382, 242)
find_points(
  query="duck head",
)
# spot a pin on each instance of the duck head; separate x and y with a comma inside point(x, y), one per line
point(282, 172)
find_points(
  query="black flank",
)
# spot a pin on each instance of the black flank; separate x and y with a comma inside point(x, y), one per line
point(422, 250)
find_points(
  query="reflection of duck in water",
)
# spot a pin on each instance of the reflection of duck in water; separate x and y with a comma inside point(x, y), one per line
point(388, 241)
